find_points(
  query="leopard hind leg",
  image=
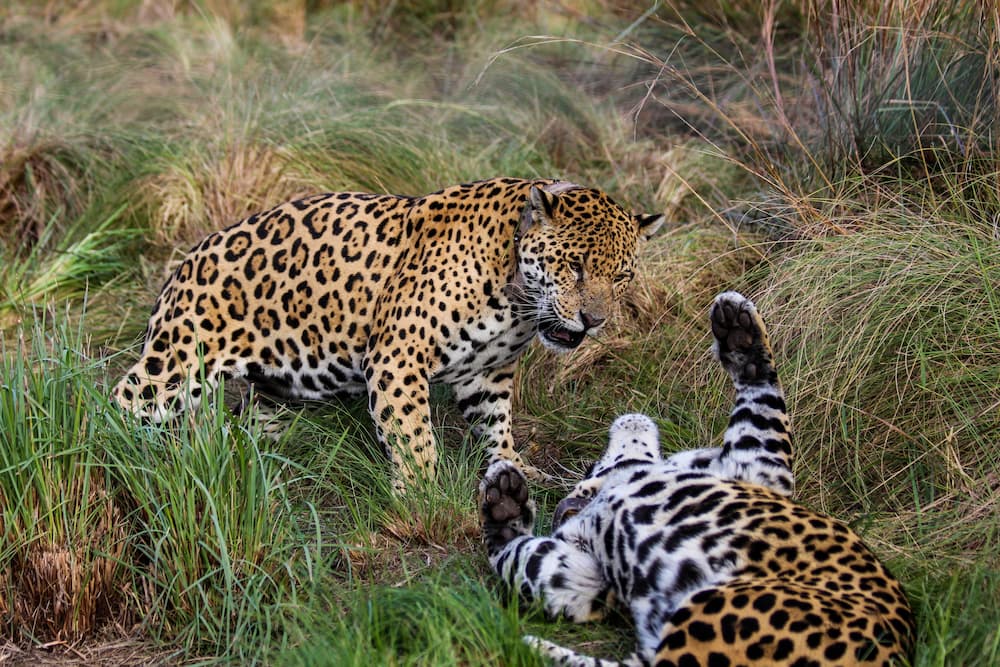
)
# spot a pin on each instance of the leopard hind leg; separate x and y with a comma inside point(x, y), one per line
point(757, 444)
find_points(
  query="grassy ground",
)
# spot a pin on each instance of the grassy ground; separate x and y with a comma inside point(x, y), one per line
point(838, 166)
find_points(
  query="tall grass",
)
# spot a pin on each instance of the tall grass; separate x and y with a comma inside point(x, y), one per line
point(190, 532)
point(444, 620)
point(910, 368)
point(64, 548)
point(227, 548)
point(893, 78)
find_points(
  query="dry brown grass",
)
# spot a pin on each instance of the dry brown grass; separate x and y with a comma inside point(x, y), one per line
point(37, 181)
point(110, 649)
point(63, 590)
point(189, 198)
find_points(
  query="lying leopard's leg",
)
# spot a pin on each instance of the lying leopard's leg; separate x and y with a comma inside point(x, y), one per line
point(485, 402)
point(566, 657)
point(564, 576)
point(757, 445)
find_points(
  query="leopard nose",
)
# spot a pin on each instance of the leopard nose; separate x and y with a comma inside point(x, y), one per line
point(591, 321)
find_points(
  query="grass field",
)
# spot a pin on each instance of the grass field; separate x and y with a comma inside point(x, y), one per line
point(838, 162)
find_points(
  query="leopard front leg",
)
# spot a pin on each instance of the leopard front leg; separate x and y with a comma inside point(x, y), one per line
point(398, 402)
point(485, 402)
point(564, 576)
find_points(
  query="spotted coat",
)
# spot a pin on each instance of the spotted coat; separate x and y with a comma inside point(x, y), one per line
point(348, 293)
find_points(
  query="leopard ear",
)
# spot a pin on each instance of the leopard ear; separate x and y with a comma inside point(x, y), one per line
point(543, 204)
point(649, 224)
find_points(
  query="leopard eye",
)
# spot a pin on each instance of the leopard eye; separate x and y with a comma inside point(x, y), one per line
point(625, 277)
point(577, 268)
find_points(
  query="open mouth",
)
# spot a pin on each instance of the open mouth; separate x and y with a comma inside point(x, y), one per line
point(562, 337)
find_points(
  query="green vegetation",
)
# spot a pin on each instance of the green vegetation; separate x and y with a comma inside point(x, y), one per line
point(836, 161)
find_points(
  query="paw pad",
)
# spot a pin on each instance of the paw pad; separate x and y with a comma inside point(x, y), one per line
point(732, 320)
point(741, 343)
point(505, 491)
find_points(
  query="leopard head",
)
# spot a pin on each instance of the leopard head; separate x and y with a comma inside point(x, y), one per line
point(576, 253)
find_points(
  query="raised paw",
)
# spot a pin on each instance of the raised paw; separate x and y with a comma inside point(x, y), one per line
point(505, 509)
point(634, 425)
point(741, 342)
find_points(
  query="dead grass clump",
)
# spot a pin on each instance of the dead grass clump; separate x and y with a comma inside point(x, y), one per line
point(112, 650)
point(195, 193)
point(62, 591)
point(365, 551)
point(433, 528)
point(382, 556)
point(38, 179)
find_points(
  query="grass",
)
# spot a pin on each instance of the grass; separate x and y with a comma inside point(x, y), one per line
point(190, 532)
point(839, 168)
point(438, 621)
point(224, 548)
point(63, 528)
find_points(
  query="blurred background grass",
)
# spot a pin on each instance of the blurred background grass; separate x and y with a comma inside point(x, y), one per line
point(836, 160)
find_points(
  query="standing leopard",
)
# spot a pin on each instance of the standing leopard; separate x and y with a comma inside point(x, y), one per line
point(715, 563)
point(350, 293)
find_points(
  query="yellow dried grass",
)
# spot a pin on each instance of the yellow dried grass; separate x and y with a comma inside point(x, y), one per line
point(33, 182)
point(63, 590)
point(187, 200)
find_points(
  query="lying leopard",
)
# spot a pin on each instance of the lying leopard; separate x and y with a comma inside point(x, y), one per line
point(349, 293)
point(714, 562)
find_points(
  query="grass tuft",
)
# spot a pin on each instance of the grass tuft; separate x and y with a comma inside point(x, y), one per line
point(62, 571)
point(63, 264)
point(189, 530)
point(446, 620)
point(887, 336)
point(221, 548)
